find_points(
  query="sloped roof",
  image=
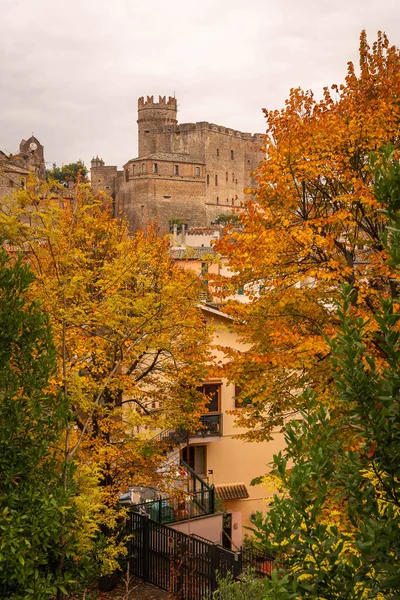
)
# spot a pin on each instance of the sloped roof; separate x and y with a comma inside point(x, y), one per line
point(170, 157)
point(232, 491)
point(8, 167)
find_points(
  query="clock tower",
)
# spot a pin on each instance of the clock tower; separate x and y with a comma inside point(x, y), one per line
point(32, 152)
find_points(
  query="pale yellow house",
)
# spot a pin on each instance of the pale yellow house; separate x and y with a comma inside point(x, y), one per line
point(219, 456)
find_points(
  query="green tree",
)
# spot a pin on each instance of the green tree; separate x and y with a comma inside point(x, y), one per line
point(69, 172)
point(38, 519)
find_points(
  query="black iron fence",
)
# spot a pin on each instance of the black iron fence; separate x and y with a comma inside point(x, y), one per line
point(184, 565)
point(258, 561)
point(171, 510)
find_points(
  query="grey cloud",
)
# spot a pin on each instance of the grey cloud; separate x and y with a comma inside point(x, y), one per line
point(72, 72)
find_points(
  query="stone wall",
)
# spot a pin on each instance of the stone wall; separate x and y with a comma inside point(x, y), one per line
point(151, 198)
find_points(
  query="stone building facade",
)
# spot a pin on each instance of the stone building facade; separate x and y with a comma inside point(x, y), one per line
point(16, 168)
point(189, 172)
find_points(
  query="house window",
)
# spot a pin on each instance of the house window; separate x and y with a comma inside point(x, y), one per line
point(238, 391)
point(232, 155)
point(241, 399)
point(126, 174)
point(155, 168)
point(217, 151)
point(208, 180)
point(212, 391)
point(176, 169)
point(197, 171)
point(216, 180)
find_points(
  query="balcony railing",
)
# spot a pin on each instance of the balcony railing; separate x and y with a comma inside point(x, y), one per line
point(171, 510)
point(210, 424)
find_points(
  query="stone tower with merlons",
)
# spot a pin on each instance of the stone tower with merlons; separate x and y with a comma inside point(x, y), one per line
point(185, 172)
point(152, 117)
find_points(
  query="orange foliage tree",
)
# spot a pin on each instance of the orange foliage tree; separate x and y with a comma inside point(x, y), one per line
point(131, 343)
point(312, 223)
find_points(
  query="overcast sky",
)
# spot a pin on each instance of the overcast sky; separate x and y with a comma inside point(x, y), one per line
point(71, 72)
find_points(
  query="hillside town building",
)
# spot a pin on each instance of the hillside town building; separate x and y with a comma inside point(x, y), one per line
point(16, 168)
point(187, 173)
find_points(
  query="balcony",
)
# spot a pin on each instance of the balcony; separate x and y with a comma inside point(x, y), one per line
point(210, 424)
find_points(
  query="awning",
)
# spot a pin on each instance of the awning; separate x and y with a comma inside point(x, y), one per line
point(232, 491)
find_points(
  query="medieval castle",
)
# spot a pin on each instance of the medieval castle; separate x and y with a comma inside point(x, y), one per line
point(189, 172)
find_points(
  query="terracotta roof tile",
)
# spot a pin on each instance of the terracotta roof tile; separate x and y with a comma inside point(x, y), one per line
point(234, 491)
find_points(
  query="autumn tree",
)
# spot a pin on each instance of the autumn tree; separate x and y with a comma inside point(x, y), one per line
point(130, 340)
point(335, 525)
point(312, 224)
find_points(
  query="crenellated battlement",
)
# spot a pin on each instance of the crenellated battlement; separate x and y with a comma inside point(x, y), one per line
point(163, 102)
point(205, 125)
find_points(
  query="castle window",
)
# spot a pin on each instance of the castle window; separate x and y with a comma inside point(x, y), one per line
point(133, 169)
point(127, 175)
point(10, 183)
point(176, 169)
point(208, 180)
point(22, 184)
point(236, 180)
point(232, 155)
point(227, 200)
point(147, 130)
point(226, 176)
point(216, 180)
point(217, 199)
point(143, 167)
point(233, 177)
point(217, 151)
point(197, 171)
point(233, 201)
point(155, 168)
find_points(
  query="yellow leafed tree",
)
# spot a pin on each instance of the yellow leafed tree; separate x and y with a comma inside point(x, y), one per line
point(131, 342)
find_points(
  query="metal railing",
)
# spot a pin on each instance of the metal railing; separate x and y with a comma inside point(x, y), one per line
point(172, 510)
point(170, 437)
point(261, 562)
point(185, 565)
point(196, 483)
point(210, 424)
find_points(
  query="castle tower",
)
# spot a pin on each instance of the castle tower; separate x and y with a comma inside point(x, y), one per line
point(151, 116)
point(96, 162)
